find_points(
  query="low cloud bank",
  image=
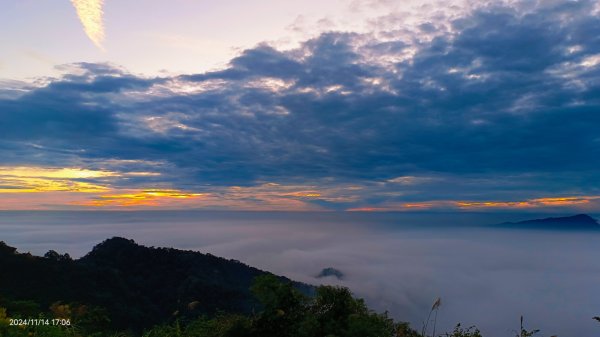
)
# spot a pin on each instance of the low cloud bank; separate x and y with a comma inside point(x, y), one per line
point(401, 263)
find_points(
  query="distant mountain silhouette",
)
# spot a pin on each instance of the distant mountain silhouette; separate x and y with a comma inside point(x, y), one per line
point(331, 272)
point(139, 286)
point(580, 221)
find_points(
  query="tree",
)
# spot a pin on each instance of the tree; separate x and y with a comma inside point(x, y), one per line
point(283, 307)
point(55, 256)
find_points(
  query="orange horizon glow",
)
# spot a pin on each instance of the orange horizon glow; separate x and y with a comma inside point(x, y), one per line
point(531, 203)
point(32, 179)
point(57, 173)
point(153, 197)
point(446, 204)
point(31, 187)
point(27, 179)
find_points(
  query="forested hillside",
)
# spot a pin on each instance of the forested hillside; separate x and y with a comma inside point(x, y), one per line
point(134, 286)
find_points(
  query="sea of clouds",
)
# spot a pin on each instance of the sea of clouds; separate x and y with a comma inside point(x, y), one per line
point(485, 276)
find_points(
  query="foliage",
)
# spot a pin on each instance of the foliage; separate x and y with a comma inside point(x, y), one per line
point(332, 312)
point(460, 332)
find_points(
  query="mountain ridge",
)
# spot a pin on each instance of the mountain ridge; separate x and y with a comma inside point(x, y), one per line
point(578, 221)
point(138, 285)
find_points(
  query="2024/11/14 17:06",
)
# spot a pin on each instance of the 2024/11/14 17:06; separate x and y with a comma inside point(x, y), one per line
point(40, 321)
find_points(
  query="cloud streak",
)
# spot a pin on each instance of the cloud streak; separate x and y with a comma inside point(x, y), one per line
point(90, 14)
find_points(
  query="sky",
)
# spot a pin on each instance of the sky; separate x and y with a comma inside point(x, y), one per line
point(371, 105)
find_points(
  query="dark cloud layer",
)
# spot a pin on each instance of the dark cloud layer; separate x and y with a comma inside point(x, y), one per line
point(509, 93)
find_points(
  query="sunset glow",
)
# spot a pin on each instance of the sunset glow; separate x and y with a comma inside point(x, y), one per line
point(54, 173)
point(533, 203)
point(141, 199)
point(536, 203)
point(99, 189)
point(38, 179)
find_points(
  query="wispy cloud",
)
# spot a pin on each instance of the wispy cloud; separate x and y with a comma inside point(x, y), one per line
point(90, 14)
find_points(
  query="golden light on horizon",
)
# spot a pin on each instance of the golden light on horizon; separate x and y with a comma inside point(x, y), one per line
point(492, 204)
point(43, 179)
point(419, 205)
point(103, 188)
point(403, 207)
point(35, 185)
point(303, 194)
point(465, 205)
point(90, 14)
point(564, 201)
point(30, 179)
point(531, 203)
point(150, 197)
point(54, 173)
